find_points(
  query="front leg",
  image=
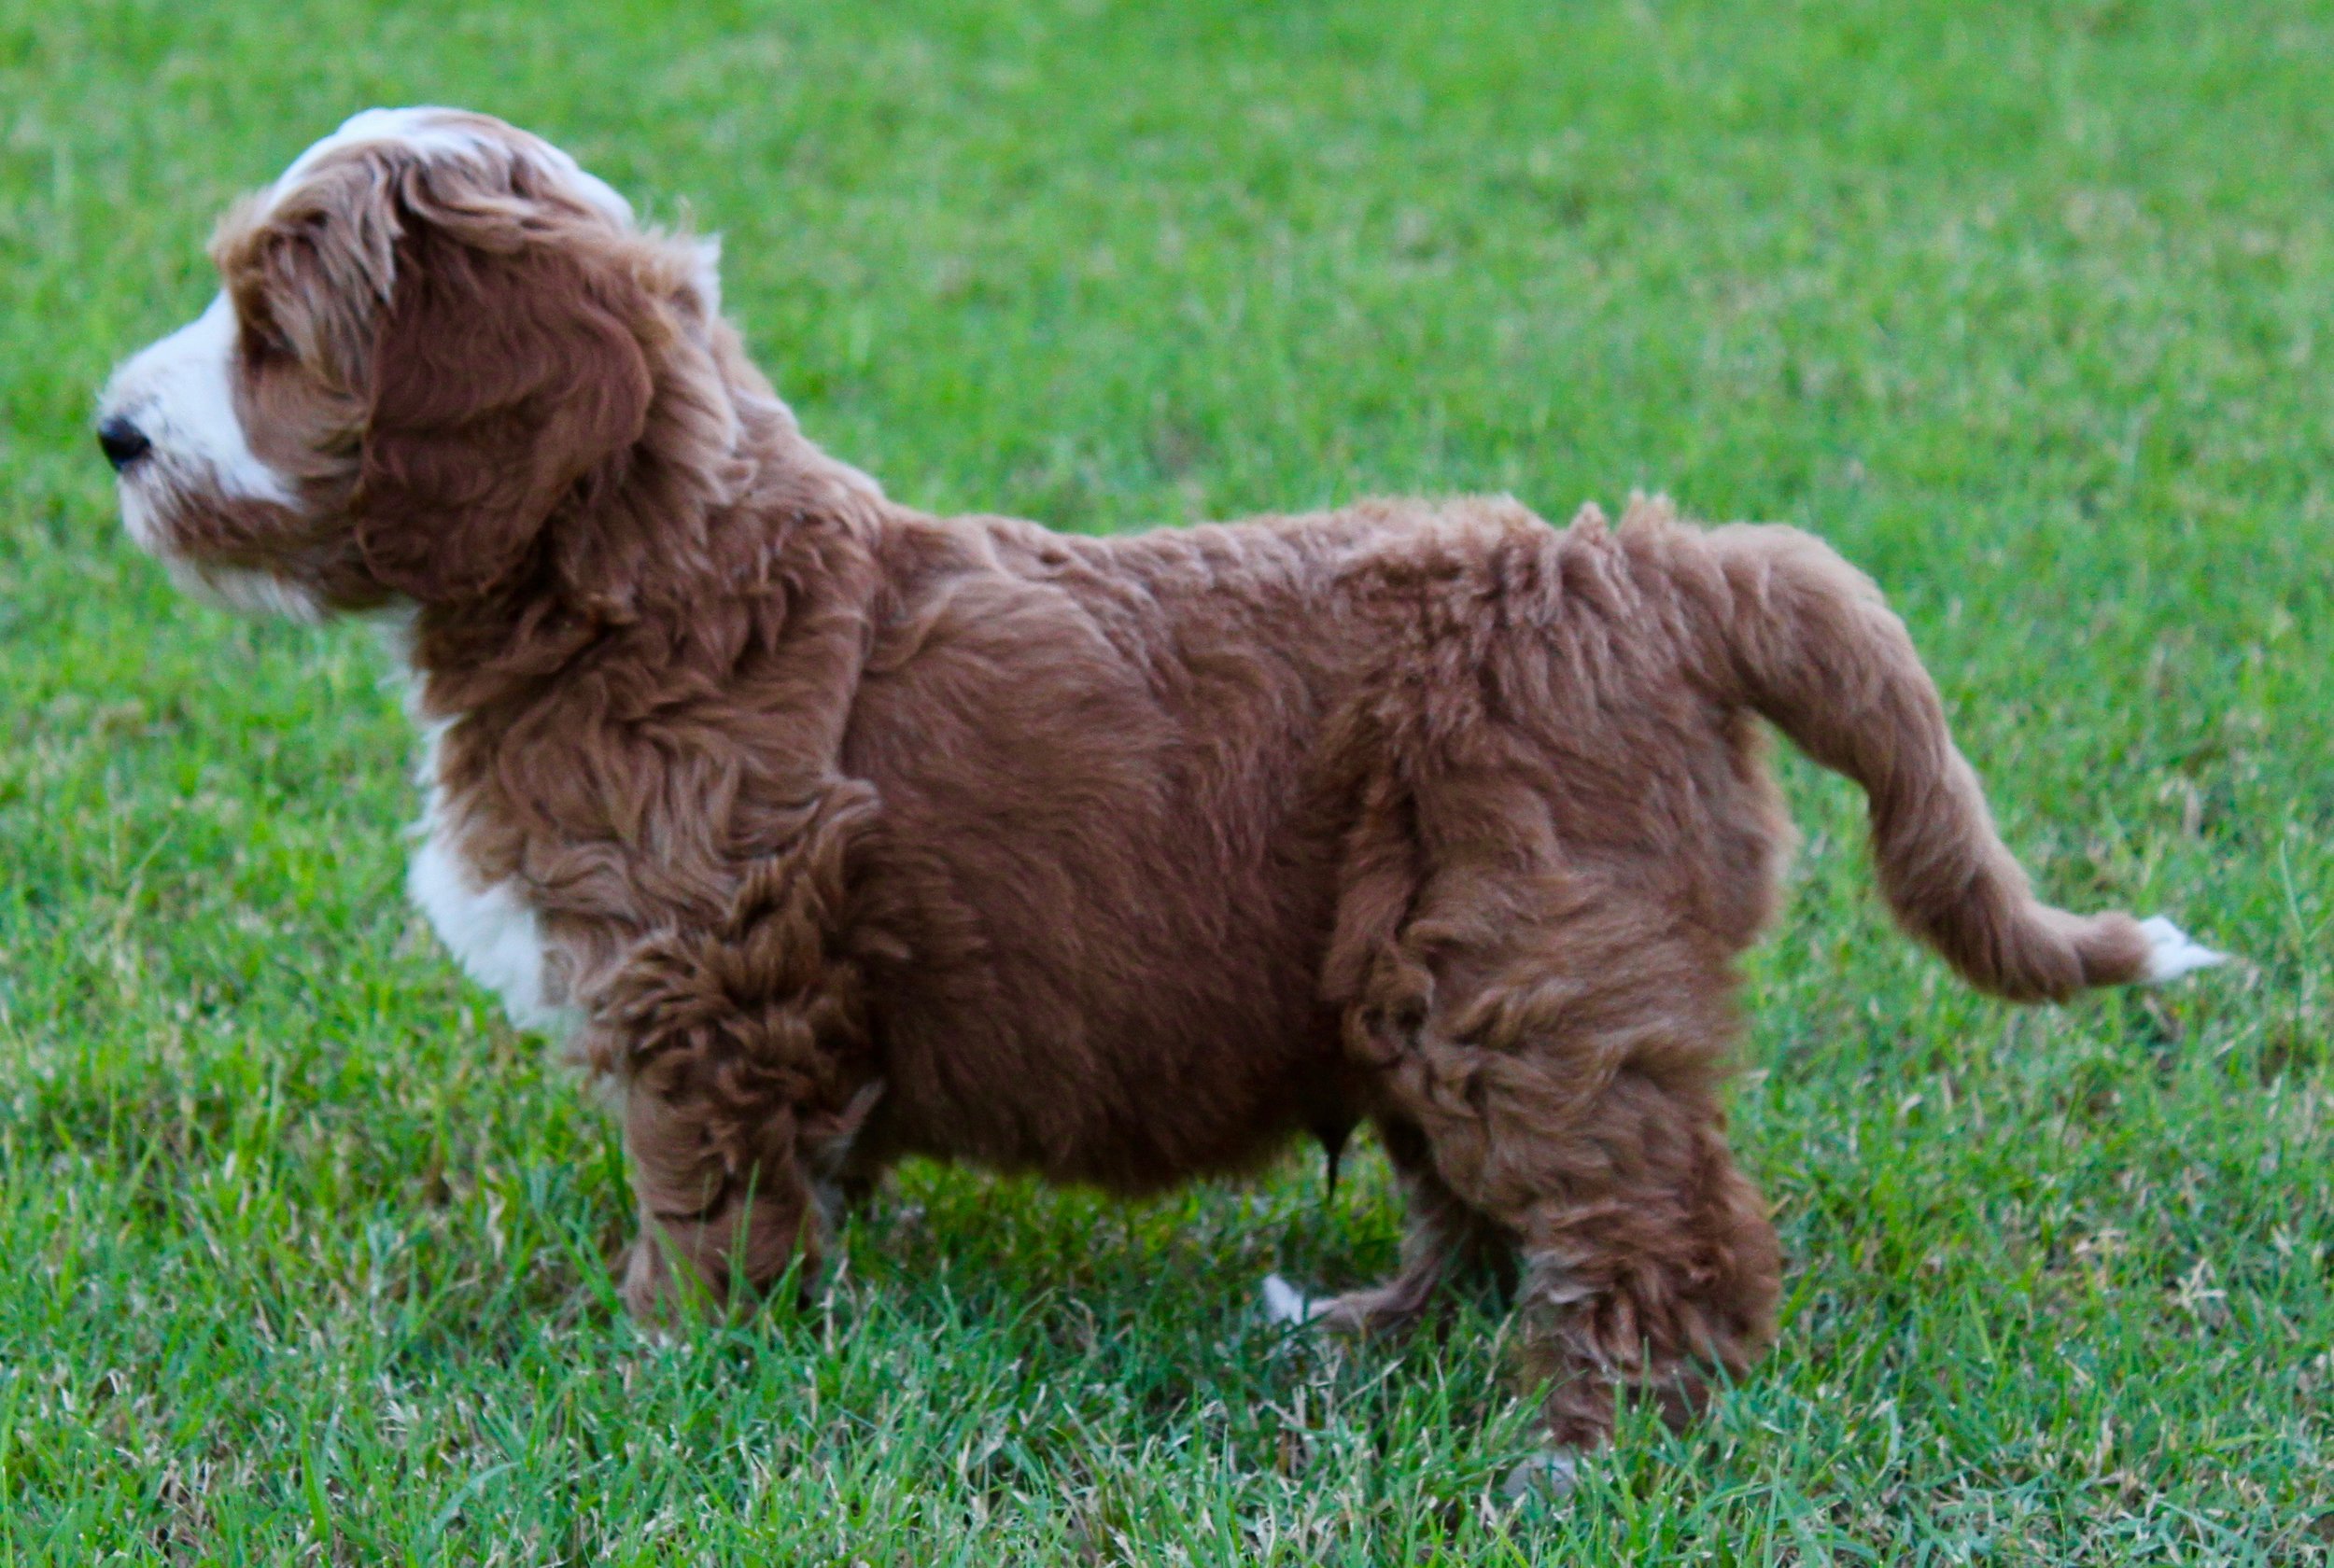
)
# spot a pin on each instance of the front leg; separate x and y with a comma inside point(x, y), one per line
point(724, 1208)
point(740, 1051)
point(720, 1221)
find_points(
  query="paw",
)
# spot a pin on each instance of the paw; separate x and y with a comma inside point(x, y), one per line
point(645, 1283)
point(1287, 1306)
point(662, 1293)
point(2172, 953)
point(1550, 1474)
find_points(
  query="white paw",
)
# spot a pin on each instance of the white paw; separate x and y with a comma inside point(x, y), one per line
point(2172, 953)
point(1284, 1303)
point(1550, 1474)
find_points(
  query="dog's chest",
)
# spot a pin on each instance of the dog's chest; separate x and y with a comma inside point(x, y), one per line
point(488, 926)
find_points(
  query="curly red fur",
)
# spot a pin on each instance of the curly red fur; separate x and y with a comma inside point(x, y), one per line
point(855, 833)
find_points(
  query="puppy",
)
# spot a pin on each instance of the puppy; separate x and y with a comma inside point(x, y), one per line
point(828, 831)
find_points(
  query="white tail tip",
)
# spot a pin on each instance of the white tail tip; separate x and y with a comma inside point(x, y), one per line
point(2172, 953)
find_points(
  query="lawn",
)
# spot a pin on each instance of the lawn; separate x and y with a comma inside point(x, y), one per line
point(2029, 309)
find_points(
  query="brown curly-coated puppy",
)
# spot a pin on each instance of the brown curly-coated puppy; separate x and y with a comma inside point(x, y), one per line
point(832, 832)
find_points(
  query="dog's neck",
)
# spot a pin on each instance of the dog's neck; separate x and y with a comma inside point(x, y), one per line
point(711, 510)
point(545, 706)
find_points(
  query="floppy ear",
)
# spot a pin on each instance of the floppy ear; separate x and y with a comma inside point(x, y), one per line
point(506, 384)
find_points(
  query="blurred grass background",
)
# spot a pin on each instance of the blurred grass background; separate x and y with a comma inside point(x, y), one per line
point(2029, 309)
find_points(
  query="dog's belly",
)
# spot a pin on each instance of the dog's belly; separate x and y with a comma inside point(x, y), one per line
point(1098, 1023)
point(1130, 1109)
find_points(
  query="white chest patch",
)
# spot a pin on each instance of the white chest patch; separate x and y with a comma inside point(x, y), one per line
point(490, 928)
point(491, 932)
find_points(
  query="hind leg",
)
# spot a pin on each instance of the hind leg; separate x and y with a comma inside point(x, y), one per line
point(1443, 1236)
point(1564, 1084)
point(1647, 1283)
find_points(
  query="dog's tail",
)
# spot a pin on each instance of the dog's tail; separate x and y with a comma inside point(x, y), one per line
point(1804, 639)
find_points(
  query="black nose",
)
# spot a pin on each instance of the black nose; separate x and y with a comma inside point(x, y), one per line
point(124, 442)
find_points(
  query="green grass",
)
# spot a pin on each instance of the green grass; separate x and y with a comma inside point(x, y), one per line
point(2029, 309)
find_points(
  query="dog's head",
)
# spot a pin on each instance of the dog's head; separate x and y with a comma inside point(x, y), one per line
point(437, 341)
